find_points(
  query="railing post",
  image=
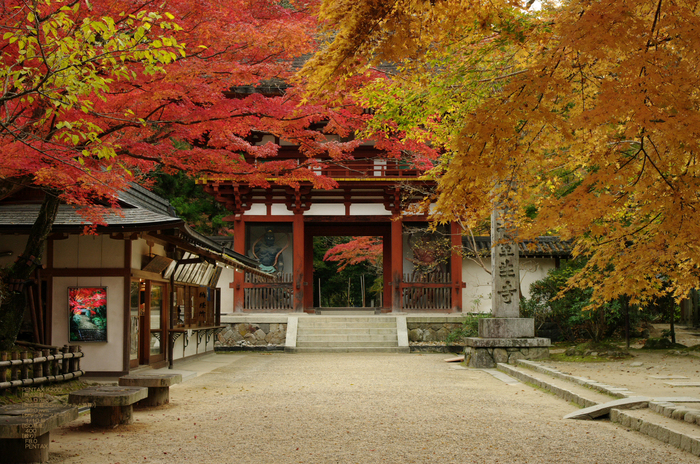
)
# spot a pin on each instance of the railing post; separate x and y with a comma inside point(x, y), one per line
point(74, 362)
point(3, 370)
point(14, 373)
point(64, 362)
point(24, 369)
point(55, 368)
point(37, 367)
point(47, 364)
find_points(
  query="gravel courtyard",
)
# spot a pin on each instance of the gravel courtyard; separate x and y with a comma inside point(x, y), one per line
point(355, 408)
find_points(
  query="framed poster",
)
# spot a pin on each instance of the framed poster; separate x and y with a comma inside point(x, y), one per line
point(87, 309)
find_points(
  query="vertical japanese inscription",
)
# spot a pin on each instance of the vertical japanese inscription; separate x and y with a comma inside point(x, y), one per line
point(505, 267)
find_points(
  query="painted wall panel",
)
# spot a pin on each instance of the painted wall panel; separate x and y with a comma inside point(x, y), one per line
point(280, 210)
point(100, 356)
point(326, 210)
point(15, 244)
point(377, 209)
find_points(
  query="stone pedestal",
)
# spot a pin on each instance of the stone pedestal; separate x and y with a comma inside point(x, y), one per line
point(487, 352)
point(109, 406)
point(25, 430)
point(158, 387)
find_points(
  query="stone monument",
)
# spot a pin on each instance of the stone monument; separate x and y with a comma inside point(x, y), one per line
point(506, 336)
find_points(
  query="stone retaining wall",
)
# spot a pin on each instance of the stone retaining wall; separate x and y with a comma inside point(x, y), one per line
point(252, 334)
point(430, 331)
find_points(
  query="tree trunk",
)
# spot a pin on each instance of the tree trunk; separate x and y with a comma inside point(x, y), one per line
point(13, 305)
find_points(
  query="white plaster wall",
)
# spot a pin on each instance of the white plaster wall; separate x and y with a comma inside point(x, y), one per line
point(15, 244)
point(178, 348)
point(140, 251)
point(225, 279)
point(191, 349)
point(326, 210)
point(99, 356)
point(86, 251)
point(363, 209)
point(257, 210)
point(476, 297)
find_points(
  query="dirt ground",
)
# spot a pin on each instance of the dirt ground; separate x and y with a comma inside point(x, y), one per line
point(361, 408)
point(641, 373)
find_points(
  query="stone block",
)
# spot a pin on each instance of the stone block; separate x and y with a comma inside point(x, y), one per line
point(605, 408)
point(679, 414)
point(479, 358)
point(500, 355)
point(415, 335)
point(674, 438)
point(506, 327)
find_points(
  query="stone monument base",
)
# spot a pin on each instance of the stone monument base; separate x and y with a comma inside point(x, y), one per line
point(486, 352)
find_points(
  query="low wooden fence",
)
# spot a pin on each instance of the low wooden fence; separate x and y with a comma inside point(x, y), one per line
point(427, 291)
point(276, 295)
point(50, 364)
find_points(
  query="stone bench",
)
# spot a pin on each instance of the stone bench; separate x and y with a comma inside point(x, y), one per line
point(25, 428)
point(109, 405)
point(158, 386)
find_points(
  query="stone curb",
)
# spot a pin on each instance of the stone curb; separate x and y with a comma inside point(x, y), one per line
point(560, 392)
point(660, 432)
point(672, 411)
point(615, 392)
point(687, 443)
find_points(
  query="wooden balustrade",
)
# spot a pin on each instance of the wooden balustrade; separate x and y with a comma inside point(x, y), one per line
point(46, 365)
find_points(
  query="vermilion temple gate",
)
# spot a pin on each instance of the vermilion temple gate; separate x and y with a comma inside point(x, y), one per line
point(277, 226)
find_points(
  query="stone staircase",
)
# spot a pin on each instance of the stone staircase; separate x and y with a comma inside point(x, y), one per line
point(347, 333)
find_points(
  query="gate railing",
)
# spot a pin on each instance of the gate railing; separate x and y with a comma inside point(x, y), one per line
point(427, 291)
point(265, 295)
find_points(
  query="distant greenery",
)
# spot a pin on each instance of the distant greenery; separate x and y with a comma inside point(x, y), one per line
point(334, 284)
point(568, 309)
point(469, 328)
point(196, 207)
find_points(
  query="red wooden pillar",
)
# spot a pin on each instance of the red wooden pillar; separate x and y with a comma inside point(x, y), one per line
point(386, 262)
point(308, 271)
point(396, 264)
point(298, 251)
point(238, 277)
point(456, 266)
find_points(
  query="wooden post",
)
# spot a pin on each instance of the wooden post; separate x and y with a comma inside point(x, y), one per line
point(54, 364)
point(14, 372)
point(238, 277)
point(37, 367)
point(65, 365)
point(24, 369)
point(47, 364)
point(73, 361)
point(298, 259)
point(396, 264)
point(3, 370)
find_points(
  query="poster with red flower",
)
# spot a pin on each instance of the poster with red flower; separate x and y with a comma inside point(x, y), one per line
point(88, 314)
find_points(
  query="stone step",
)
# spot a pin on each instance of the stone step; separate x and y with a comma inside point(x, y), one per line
point(346, 338)
point(347, 333)
point(353, 319)
point(348, 330)
point(664, 419)
point(341, 343)
point(349, 349)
